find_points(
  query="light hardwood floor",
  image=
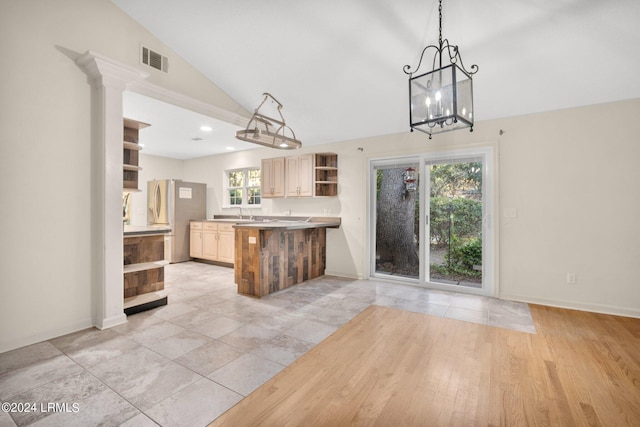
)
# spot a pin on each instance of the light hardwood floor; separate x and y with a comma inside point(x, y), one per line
point(398, 368)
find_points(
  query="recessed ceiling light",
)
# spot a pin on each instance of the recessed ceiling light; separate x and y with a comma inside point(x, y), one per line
point(206, 128)
point(231, 148)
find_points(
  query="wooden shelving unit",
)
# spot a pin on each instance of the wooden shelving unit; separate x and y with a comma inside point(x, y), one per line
point(325, 175)
point(143, 272)
point(131, 152)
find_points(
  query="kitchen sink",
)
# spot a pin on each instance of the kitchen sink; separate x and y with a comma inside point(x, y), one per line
point(233, 220)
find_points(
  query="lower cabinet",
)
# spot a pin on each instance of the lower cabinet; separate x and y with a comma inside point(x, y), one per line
point(214, 241)
point(195, 239)
point(209, 241)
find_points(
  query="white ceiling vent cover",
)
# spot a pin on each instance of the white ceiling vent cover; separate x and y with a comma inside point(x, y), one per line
point(154, 59)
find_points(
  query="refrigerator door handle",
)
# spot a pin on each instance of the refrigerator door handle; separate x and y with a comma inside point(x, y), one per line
point(171, 198)
point(156, 202)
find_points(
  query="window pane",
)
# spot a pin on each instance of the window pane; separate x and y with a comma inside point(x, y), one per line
point(397, 223)
point(254, 196)
point(236, 178)
point(235, 196)
point(455, 249)
point(253, 178)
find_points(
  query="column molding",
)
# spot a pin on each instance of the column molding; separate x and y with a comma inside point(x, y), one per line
point(109, 79)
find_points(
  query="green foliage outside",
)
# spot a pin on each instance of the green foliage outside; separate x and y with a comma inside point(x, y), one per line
point(456, 218)
point(455, 224)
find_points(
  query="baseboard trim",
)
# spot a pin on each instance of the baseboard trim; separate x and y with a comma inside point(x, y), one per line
point(110, 322)
point(573, 305)
point(45, 335)
point(345, 275)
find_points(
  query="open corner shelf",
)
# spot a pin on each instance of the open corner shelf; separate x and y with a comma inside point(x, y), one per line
point(326, 175)
point(131, 149)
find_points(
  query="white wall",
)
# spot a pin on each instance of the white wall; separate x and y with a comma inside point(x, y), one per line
point(45, 154)
point(572, 176)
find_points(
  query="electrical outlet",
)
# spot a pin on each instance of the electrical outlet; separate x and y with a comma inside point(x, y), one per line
point(571, 278)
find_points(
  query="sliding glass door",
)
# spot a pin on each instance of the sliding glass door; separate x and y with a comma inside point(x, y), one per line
point(455, 221)
point(432, 218)
point(397, 213)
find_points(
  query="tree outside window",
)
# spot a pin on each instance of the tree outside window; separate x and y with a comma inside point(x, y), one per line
point(243, 187)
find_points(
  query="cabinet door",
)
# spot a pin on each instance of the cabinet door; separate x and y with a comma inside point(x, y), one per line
point(266, 180)
point(299, 176)
point(292, 176)
point(305, 175)
point(272, 182)
point(278, 176)
point(210, 245)
point(195, 244)
point(226, 248)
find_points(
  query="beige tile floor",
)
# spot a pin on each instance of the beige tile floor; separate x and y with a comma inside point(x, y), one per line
point(186, 363)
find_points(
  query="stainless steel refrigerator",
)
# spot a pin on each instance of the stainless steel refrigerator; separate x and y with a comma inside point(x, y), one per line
point(174, 202)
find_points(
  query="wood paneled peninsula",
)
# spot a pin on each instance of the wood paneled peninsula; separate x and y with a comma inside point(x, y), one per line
point(144, 268)
point(275, 254)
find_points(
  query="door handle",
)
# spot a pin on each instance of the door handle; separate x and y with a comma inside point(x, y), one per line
point(155, 202)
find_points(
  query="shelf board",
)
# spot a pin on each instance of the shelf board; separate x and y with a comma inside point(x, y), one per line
point(326, 168)
point(326, 182)
point(131, 146)
point(134, 124)
point(131, 167)
point(131, 268)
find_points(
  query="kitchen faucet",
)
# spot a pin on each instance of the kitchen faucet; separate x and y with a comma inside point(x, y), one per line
point(240, 214)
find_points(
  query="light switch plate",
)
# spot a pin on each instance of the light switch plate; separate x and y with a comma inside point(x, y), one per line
point(510, 213)
point(252, 240)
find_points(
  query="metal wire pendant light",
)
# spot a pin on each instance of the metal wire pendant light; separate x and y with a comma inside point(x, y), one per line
point(267, 131)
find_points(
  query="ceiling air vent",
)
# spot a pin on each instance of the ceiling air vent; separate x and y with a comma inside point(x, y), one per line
point(155, 60)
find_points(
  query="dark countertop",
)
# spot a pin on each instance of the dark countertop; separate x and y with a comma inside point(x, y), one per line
point(291, 223)
point(145, 230)
point(277, 222)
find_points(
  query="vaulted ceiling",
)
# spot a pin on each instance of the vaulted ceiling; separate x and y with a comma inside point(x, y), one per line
point(336, 66)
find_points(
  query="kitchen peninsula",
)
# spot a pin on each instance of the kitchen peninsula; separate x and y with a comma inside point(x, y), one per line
point(272, 255)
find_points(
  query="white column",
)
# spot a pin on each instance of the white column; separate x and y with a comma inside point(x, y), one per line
point(108, 80)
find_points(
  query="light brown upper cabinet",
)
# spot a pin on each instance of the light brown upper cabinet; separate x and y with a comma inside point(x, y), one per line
point(272, 178)
point(299, 176)
point(308, 175)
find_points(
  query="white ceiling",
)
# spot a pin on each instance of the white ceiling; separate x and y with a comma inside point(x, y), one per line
point(336, 65)
point(176, 132)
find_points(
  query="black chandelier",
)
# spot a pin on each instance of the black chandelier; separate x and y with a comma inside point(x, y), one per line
point(441, 100)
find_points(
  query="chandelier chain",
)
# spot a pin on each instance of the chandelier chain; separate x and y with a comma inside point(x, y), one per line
point(440, 22)
point(443, 47)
